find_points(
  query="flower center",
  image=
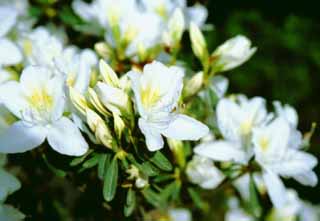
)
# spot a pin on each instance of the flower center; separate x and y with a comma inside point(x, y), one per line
point(264, 143)
point(150, 96)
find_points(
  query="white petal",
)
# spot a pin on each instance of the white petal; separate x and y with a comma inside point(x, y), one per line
point(295, 162)
point(65, 138)
point(153, 137)
point(229, 119)
point(8, 17)
point(221, 151)
point(82, 9)
point(34, 77)
point(180, 215)
point(11, 95)
point(276, 189)
point(198, 14)
point(185, 128)
point(308, 178)
point(9, 213)
point(21, 138)
point(9, 53)
point(8, 184)
point(220, 85)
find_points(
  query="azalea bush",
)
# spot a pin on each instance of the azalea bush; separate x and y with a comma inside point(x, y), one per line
point(120, 110)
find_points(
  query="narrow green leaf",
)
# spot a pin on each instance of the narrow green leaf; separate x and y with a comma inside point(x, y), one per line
point(111, 180)
point(152, 197)
point(170, 191)
point(148, 169)
point(104, 162)
point(130, 203)
point(93, 161)
point(78, 160)
point(197, 199)
point(161, 161)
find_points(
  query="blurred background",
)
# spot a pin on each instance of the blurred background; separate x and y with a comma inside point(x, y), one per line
point(286, 66)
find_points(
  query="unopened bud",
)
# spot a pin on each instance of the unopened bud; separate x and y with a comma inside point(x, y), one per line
point(78, 100)
point(193, 85)
point(198, 42)
point(108, 75)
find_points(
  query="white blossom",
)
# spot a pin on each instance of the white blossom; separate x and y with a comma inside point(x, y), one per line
point(157, 92)
point(236, 120)
point(201, 171)
point(38, 101)
point(277, 158)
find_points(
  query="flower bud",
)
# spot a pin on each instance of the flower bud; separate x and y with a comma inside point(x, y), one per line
point(201, 171)
point(108, 75)
point(99, 127)
point(118, 125)
point(94, 100)
point(176, 27)
point(198, 42)
point(114, 99)
point(193, 85)
point(78, 100)
point(103, 49)
point(232, 53)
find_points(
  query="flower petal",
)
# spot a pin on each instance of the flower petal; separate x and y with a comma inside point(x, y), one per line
point(276, 189)
point(20, 138)
point(9, 53)
point(308, 178)
point(8, 17)
point(11, 95)
point(185, 128)
point(65, 138)
point(153, 137)
point(9, 213)
point(295, 162)
point(221, 151)
point(8, 184)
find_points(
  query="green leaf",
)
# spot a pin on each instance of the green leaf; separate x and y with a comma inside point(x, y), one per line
point(91, 162)
point(196, 198)
point(57, 172)
point(161, 161)
point(148, 169)
point(254, 203)
point(111, 180)
point(152, 197)
point(170, 191)
point(104, 162)
point(130, 203)
point(78, 160)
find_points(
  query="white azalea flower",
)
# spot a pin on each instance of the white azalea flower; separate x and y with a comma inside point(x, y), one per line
point(77, 66)
point(233, 53)
point(236, 120)
point(41, 47)
point(38, 101)
point(201, 171)
point(157, 92)
point(180, 214)
point(277, 158)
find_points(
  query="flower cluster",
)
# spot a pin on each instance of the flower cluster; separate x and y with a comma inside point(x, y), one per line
point(157, 129)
